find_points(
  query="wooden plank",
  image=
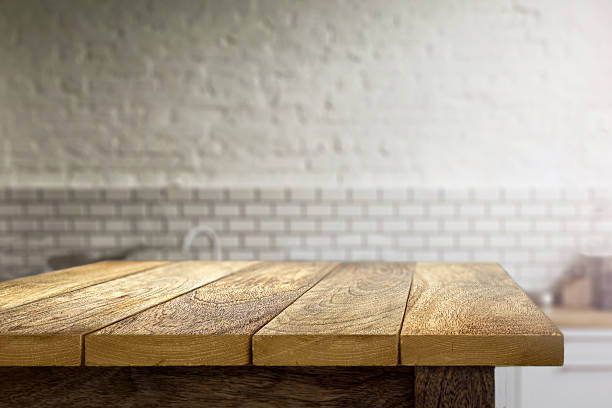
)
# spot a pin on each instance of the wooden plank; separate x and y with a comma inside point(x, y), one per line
point(351, 318)
point(18, 292)
point(474, 314)
point(48, 331)
point(454, 387)
point(212, 325)
point(120, 387)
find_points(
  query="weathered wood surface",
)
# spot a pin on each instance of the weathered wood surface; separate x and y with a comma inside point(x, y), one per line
point(474, 314)
point(193, 387)
point(212, 325)
point(454, 387)
point(48, 331)
point(18, 292)
point(350, 318)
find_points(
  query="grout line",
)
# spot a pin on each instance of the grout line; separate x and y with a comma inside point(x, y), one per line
point(331, 270)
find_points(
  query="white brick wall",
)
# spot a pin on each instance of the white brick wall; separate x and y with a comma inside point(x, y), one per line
point(309, 93)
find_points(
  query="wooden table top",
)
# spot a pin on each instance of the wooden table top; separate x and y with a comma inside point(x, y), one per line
point(273, 313)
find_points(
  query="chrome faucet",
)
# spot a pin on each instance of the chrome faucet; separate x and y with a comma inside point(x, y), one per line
point(210, 233)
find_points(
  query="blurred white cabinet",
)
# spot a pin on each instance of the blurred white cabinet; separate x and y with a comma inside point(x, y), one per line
point(584, 381)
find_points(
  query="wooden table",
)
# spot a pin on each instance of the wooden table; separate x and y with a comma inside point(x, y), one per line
point(266, 334)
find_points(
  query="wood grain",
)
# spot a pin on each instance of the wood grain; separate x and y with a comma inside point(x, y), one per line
point(48, 331)
point(212, 325)
point(474, 314)
point(454, 387)
point(120, 387)
point(350, 318)
point(29, 289)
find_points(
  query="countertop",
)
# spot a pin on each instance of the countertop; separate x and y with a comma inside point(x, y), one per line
point(274, 313)
point(586, 318)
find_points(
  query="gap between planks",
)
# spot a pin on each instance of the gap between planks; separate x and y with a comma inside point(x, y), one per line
point(211, 325)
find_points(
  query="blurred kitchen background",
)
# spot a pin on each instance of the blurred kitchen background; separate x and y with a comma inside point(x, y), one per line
point(334, 130)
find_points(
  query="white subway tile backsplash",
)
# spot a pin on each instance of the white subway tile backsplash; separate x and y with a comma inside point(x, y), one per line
point(534, 210)
point(378, 240)
point(426, 226)
point(349, 240)
point(292, 209)
point(302, 225)
point(363, 226)
point(411, 241)
point(241, 225)
point(272, 225)
point(471, 241)
point(349, 210)
point(318, 241)
point(503, 210)
point(456, 225)
point(411, 210)
point(257, 241)
point(472, 210)
point(487, 225)
point(227, 210)
point(195, 209)
point(336, 226)
point(441, 241)
point(318, 210)
point(518, 227)
point(442, 210)
point(380, 210)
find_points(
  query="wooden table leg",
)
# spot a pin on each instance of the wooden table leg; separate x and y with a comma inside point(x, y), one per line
point(455, 387)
